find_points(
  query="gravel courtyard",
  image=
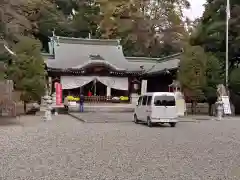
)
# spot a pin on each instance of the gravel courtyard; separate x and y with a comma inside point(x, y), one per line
point(67, 149)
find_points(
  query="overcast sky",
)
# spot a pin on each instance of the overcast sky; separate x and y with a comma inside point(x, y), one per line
point(196, 9)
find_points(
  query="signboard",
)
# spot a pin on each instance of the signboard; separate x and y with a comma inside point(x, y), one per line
point(226, 105)
point(144, 87)
point(58, 88)
point(180, 103)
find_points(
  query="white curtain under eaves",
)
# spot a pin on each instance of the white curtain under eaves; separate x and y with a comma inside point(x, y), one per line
point(119, 83)
point(71, 82)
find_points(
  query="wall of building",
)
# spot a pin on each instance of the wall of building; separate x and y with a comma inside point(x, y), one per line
point(159, 83)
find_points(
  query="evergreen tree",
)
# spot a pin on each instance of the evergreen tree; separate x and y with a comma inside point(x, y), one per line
point(27, 70)
point(211, 31)
point(191, 73)
point(213, 78)
point(235, 80)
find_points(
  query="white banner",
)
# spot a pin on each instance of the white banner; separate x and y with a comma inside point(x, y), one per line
point(226, 105)
point(144, 87)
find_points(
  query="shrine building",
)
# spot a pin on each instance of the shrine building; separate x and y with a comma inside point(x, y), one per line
point(99, 66)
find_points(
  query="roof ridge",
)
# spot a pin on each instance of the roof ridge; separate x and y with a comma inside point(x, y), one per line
point(153, 59)
point(141, 57)
point(73, 40)
point(170, 56)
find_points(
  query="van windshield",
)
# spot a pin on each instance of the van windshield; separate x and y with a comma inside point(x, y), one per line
point(164, 101)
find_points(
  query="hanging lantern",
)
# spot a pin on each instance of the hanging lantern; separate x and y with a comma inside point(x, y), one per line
point(135, 86)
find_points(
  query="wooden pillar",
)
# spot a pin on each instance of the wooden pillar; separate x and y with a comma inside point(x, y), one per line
point(108, 91)
point(95, 87)
point(50, 84)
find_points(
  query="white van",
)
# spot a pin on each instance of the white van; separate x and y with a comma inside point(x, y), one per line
point(157, 107)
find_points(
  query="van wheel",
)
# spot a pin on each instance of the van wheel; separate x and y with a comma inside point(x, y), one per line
point(173, 124)
point(135, 119)
point(149, 123)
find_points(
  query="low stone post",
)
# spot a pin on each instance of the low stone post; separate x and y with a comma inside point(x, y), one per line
point(219, 105)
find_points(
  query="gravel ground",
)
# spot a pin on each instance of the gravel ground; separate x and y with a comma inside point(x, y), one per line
point(113, 117)
point(102, 117)
point(71, 150)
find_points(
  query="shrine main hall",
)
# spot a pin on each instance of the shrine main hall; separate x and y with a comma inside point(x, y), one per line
point(99, 67)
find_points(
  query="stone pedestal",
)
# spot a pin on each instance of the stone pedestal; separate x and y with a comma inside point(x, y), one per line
point(134, 98)
point(54, 99)
point(42, 108)
point(42, 105)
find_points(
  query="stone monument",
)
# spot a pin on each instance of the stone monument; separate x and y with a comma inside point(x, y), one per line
point(7, 105)
point(223, 100)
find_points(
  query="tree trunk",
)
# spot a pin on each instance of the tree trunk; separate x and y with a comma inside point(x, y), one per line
point(210, 109)
point(25, 107)
point(194, 106)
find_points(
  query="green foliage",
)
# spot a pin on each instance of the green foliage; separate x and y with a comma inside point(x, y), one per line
point(66, 6)
point(27, 71)
point(192, 70)
point(235, 80)
point(199, 74)
point(134, 22)
point(211, 31)
point(86, 20)
point(145, 28)
point(4, 60)
point(213, 78)
point(2, 71)
point(2, 75)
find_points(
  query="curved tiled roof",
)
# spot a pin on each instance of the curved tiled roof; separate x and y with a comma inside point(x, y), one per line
point(75, 53)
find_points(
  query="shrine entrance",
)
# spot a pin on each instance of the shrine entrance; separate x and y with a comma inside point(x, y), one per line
point(95, 88)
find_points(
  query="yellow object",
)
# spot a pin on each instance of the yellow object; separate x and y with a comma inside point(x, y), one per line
point(71, 98)
point(77, 99)
point(123, 98)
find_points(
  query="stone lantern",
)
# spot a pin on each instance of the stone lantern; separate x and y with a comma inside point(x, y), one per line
point(180, 100)
point(48, 107)
point(175, 86)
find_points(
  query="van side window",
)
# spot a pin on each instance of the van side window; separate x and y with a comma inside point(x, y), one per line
point(149, 100)
point(139, 101)
point(144, 101)
point(164, 101)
